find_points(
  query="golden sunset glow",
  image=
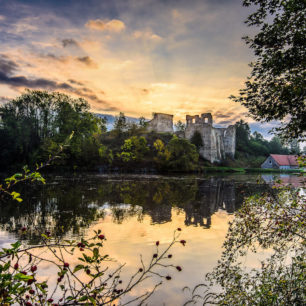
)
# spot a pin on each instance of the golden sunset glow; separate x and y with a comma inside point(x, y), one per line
point(137, 57)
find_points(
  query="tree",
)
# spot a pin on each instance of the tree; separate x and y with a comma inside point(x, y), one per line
point(275, 89)
point(243, 134)
point(276, 222)
point(120, 124)
point(134, 149)
point(294, 147)
point(143, 123)
point(196, 139)
point(183, 154)
point(180, 126)
point(276, 146)
point(33, 124)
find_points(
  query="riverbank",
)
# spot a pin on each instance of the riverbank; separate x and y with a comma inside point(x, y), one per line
point(250, 170)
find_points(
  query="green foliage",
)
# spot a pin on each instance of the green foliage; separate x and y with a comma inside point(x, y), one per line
point(275, 89)
point(180, 126)
point(183, 154)
point(252, 149)
point(143, 122)
point(178, 155)
point(294, 147)
point(134, 149)
point(274, 222)
point(196, 139)
point(162, 154)
point(89, 280)
point(120, 125)
point(36, 122)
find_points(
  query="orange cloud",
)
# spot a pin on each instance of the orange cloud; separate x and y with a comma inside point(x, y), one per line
point(147, 35)
point(113, 25)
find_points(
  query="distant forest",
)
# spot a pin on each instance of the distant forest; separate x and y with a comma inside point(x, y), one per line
point(35, 124)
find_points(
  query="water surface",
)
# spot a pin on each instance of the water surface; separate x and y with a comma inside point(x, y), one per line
point(134, 212)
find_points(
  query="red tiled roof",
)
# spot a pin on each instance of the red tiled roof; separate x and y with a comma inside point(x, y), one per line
point(285, 160)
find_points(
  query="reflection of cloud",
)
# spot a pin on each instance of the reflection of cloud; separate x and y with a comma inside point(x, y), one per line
point(87, 61)
point(113, 25)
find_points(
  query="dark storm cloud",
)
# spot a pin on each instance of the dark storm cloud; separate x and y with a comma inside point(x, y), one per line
point(69, 42)
point(87, 61)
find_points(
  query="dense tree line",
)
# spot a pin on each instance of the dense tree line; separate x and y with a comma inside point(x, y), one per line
point(34, 125)
point(252, 149)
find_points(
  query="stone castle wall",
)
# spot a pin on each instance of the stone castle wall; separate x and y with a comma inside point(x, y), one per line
point(161, 123)
point(217, 142)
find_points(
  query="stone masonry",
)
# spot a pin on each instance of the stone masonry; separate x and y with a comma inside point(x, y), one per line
point(217, 142)
point(161, 123)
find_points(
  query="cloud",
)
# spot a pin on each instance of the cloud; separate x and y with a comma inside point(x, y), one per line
point(22, 81)
point(147, 35)
point(86, 60)
point(75, 82)
point(6, 65)
point(113, 25)
point(69, 42)
point(225, 122)
point(54, 57)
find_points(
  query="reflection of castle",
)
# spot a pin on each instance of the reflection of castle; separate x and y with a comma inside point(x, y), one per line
point(217, 142)
point(75, 205)
point(211, 195)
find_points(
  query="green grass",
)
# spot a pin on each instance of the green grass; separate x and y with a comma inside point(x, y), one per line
point(222, 169)
point(249, 170)
point(273, 170)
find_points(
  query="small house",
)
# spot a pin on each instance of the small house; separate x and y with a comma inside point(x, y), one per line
point(277, 161)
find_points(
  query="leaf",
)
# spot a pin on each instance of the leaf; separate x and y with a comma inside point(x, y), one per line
point(96, 252)
point(83, 298)
point(77, 268)
point(21, 276)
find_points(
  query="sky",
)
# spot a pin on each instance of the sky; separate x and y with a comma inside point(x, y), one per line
point(136, 56)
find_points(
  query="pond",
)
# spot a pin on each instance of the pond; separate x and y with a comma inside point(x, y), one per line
point(134, 212)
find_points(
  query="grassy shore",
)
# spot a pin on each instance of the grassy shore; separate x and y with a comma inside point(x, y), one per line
point(249, 170)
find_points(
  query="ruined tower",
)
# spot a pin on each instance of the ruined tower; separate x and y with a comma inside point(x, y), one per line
point(217, 142)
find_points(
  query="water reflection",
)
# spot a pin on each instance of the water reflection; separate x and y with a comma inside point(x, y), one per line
point(67, 206)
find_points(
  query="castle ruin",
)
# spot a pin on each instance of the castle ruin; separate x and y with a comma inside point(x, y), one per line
point(217, 142)
point(161, 123)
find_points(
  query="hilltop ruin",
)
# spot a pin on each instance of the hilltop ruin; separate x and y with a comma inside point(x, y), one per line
point(217, 142)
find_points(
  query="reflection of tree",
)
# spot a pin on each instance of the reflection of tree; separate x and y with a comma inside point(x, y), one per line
point(69, 206)
point(61, 209)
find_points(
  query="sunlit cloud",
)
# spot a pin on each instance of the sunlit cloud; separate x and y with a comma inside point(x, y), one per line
point(113, 25)
point(137, 57)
